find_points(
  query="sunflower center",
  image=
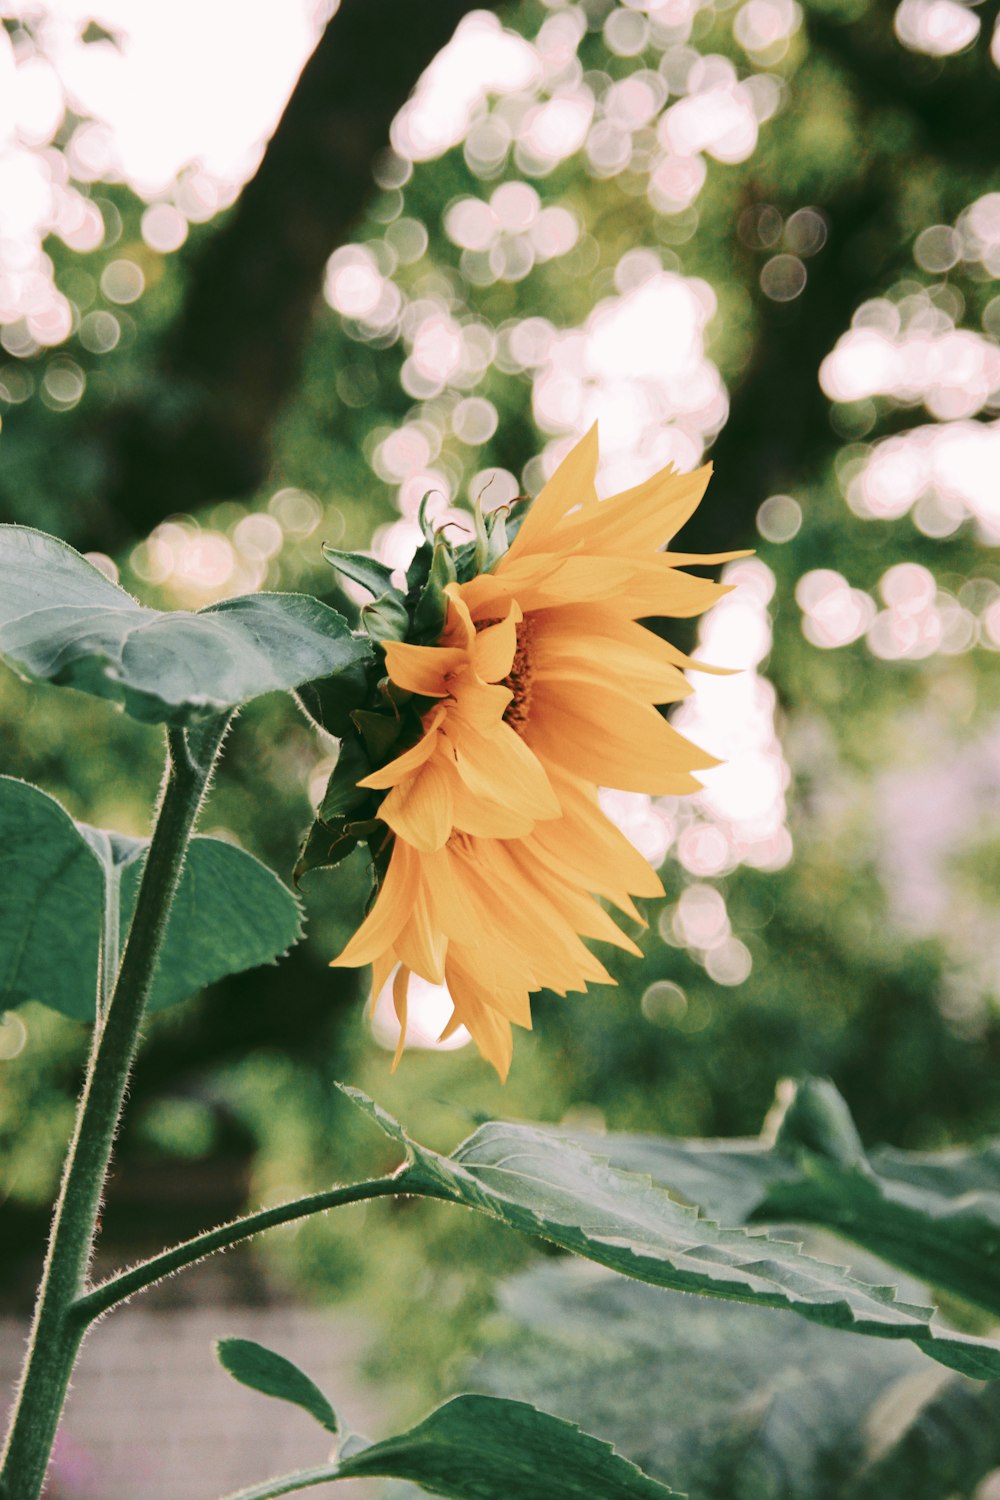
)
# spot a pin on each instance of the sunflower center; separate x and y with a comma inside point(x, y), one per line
point(518, 679)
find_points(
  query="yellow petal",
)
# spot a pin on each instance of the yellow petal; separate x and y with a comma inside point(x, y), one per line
point(422, 669)
point(494, 648)
point(580, 909)
point(459, 629)
point(383, 923)
point(601, 663)
point(577, 579)
point(611, 740)
point(571, 484)
point(535, 924)
point(486, 596)
point(450, 906)
point(587, 834)
point(487, 819)
point(656, 588)
point(501, 768)
point(411, 760)
point(488, 1028)
point(400, 988)
point(382, 967)
point(421, 944)
point(419, 808)
point(480, 705)
point(643, 518)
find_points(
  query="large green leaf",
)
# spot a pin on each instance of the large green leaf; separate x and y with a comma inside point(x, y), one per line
point(929, 1439)
point(231, 913)
point(737, 1403)
point(539, 1184)
point(485, 1448)
point(62, 621)
point(727, 1179)
point(51, 907)
point(935, 1215)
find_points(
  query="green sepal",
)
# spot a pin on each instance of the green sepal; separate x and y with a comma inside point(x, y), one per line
point(416, 573)
point(343, 795)
point(432, 607)
point(424, 521)
point(466, 565)
point(498, 542)
point(380, 733)
point(387, 619)
point(328, 844)
point(481, 546)
point(515, 513)
point(345, 815)
point(359, 568)
point(330, 701)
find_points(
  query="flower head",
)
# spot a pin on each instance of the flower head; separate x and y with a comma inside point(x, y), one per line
point(536, 686)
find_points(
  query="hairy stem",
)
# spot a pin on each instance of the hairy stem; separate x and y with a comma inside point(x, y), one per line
point(117, 1288)
point(58, 1328)
point(286, 1484)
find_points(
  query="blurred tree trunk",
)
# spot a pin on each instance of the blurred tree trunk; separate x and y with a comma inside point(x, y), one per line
point(232, 359)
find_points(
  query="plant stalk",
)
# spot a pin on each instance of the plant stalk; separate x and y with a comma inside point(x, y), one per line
point(125, 1284)
point(58, 1328)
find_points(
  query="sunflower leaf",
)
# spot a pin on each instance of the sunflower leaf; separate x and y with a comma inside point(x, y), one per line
point(935, 1215)
point(52, 908)
point(63, 622)
point(380, 1117)
point(273, 1375)
point(816, 1120)
point(485, 1448)
point(728, 1402)
point(492, 1449)
point(231, 913)
point(935, 1438)
point(760, 1407)
point(539, 1184)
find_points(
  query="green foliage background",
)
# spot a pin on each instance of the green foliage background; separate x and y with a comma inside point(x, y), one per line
point(238, 1085)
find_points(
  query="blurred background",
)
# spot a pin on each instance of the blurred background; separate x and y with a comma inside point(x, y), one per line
point(268, 276)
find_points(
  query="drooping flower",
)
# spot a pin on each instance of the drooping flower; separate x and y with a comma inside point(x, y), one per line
point(540, 687)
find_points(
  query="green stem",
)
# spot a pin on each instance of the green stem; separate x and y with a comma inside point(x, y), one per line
point(117, 1288)
point(58, 1327)
point(286, 1484)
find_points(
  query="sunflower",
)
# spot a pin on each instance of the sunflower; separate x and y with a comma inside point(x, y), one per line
point(540, 688)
